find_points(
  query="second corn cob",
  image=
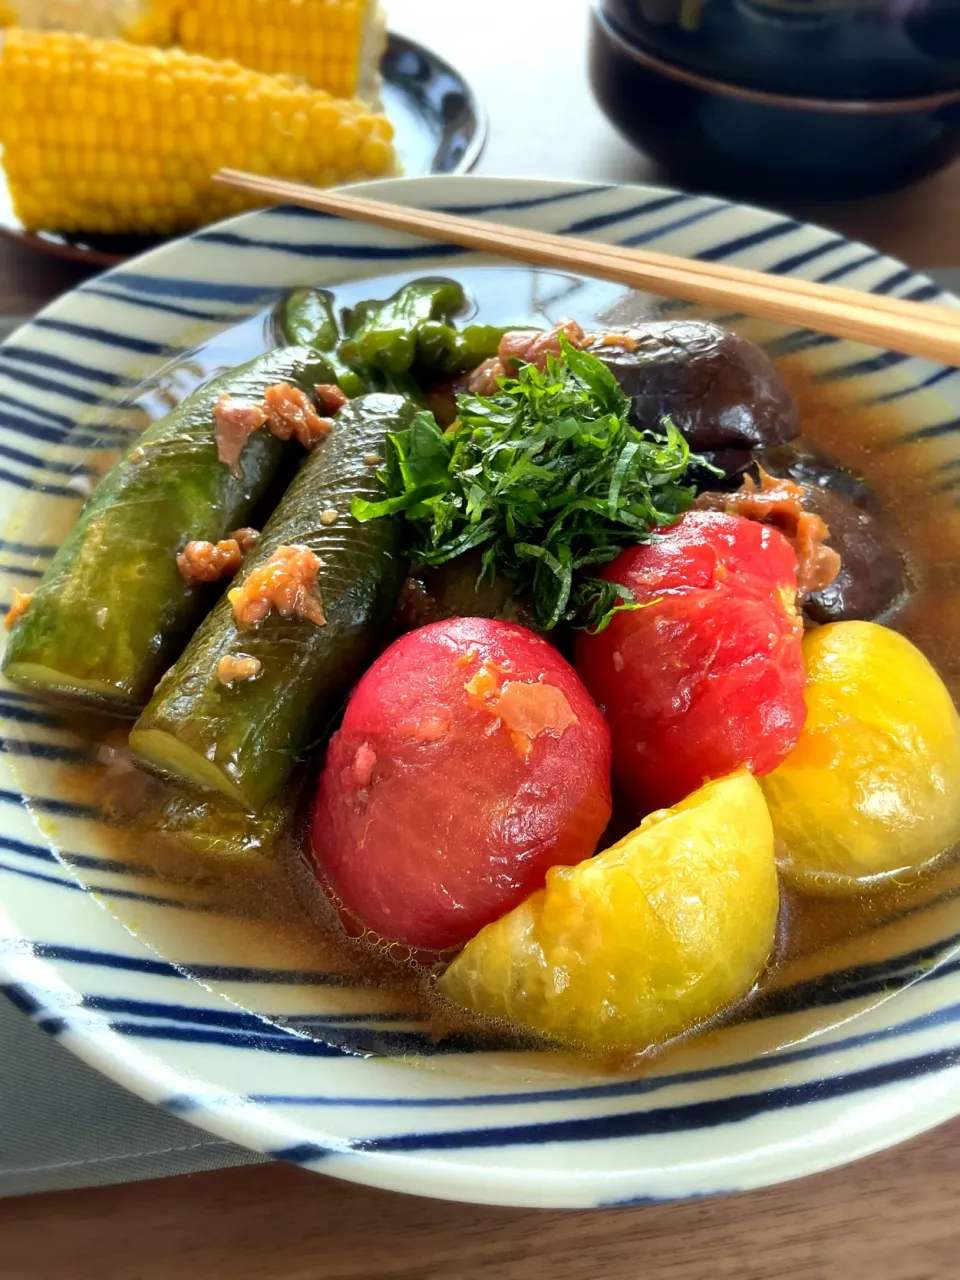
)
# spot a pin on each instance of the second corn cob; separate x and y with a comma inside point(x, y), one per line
point(332, 44)
point(103, 135)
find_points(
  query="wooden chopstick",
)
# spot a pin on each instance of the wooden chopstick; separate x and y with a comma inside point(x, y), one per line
point(914, 328)
point(401, 217)
point(455, 229)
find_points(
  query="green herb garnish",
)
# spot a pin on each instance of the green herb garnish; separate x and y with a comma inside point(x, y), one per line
point(548, 477)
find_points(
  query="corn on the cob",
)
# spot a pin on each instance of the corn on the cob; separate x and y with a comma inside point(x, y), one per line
point(107, 136)
point(91, 17)
point(332, 44)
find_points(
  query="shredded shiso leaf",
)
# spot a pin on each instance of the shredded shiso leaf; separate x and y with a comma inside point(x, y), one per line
point(548, 478)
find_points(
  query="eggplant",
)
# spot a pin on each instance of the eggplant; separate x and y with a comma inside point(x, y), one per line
point(722, 391)
point(872, 578)
point(808, 465)
point(112, 609)
point(461, 589)
point(242, 740)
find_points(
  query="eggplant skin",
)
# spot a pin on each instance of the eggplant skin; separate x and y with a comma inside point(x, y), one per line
point(812, 467)
point(721, 390)
point(112, 609)
point(873, 579)
point(243, 740)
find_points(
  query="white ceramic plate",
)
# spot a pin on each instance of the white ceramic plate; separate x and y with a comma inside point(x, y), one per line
point(247, 1027)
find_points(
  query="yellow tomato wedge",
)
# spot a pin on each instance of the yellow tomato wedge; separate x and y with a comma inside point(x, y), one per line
point(871, 791)
point(656, 934)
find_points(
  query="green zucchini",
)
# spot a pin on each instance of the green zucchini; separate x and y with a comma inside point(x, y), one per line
point(112, 608)
point(242, 740)
point(217, 835)
point(179, 832)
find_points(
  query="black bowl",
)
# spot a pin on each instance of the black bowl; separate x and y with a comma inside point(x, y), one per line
point(740, 139)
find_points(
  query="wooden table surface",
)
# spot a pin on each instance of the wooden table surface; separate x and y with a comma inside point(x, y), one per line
point(892, 1217)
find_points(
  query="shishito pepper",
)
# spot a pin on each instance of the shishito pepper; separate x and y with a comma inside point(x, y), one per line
point(394, 345)
point(112, 607)
point(384, 335)
point(706, 676)
point(242, 739)
point(307, 318)
point(444, 352)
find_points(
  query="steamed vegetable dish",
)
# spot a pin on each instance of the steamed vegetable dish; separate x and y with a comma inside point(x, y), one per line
point(558, 659)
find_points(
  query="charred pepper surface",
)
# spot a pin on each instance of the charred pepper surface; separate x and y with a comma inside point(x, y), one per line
point(308, 317)
point(242, 739)
point(112, 607)
point(376, 345)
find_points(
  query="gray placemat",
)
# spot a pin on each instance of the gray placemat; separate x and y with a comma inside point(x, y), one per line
point(64, 1126)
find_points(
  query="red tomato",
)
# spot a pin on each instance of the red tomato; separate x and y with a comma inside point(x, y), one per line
point(470, 760)
point(708, 676)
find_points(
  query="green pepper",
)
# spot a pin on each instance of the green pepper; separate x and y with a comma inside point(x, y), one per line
point(443, 351)
point(242, 739)
point(112, 609)
point(384, 334)
point(307, 318)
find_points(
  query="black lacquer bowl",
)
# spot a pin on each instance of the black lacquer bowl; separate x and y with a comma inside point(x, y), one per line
point(782, 98)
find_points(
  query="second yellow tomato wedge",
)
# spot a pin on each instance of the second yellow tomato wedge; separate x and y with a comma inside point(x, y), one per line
point(871, 791)
point(653, 936)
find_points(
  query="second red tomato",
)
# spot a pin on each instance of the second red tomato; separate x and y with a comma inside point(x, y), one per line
point(708, 676)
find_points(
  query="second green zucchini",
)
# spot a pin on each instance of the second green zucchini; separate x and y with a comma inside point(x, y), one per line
point(243, 739)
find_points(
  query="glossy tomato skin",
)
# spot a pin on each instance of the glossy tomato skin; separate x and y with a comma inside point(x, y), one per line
point(708, 676)
point(470, 760)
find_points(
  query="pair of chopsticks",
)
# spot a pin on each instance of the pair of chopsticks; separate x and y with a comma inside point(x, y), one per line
point(914, 328)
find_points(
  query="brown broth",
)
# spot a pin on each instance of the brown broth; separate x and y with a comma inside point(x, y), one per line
point(268, 908)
